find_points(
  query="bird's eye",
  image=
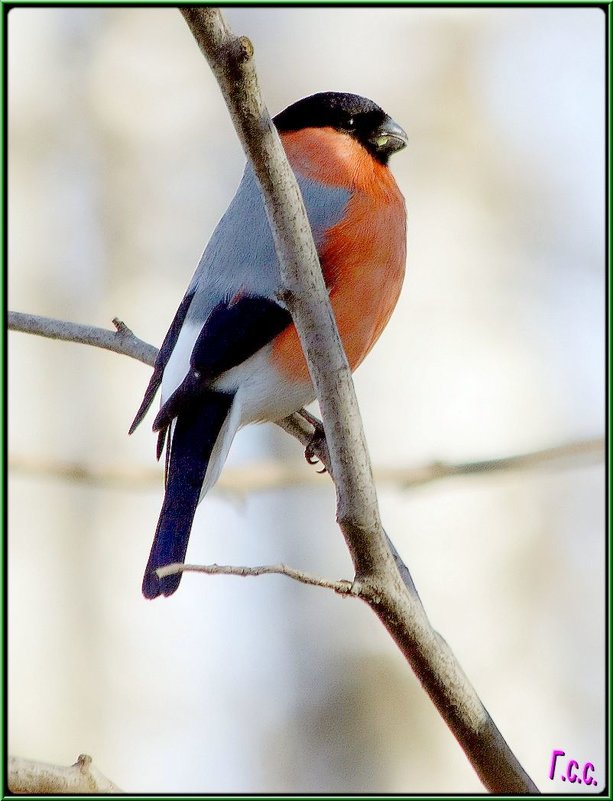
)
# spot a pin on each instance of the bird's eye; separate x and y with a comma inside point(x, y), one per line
point(351, 122)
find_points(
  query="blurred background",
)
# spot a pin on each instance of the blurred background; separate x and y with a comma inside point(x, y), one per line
point(122, 158)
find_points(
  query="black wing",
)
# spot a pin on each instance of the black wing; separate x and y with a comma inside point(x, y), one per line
point(233, 332)
point(160, 363)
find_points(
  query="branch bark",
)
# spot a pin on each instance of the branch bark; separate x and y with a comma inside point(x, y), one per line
point(342, 587)
point(122, 340)
point(231, 60)
point(26, 777)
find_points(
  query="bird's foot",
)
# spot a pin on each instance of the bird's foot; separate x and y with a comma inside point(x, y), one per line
point(317, 441)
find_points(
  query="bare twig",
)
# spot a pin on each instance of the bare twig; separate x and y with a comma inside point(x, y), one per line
point(26, 777)
point(341, 587)
point(122, 340)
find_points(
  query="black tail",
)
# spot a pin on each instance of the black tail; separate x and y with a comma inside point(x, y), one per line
point(196, 431)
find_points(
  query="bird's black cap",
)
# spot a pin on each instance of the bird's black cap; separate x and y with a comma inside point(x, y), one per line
point(352, 114)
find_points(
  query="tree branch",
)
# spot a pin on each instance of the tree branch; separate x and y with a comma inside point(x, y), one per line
point(341, 587)
point(378, 580)
point(26, 777)
point(230, 58)
point(122, 340)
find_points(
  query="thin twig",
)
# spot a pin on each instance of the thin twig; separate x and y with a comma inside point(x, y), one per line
point(122, 340)
point(341, 587)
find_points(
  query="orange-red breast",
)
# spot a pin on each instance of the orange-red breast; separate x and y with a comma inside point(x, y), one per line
point(232, 355)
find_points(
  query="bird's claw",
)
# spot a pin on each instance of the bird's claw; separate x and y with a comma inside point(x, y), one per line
point(309, 455)
point(317, 440)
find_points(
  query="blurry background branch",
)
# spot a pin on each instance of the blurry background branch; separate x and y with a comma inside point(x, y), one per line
point(270, 475)
point(261, 476)
point(26, 777)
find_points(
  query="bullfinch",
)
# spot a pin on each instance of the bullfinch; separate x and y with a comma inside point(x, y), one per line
point(232, 355)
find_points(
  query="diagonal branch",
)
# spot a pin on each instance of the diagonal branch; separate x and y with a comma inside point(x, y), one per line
point(231, 60)
point(391, 596)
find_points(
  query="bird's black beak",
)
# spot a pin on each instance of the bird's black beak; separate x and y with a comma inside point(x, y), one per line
point(389, 137)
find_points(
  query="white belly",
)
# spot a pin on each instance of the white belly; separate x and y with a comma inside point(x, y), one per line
point(262, 392)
